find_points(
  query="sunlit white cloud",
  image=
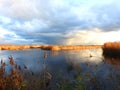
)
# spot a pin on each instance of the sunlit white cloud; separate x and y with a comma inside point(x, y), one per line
point(94, 36)
point(59, 21)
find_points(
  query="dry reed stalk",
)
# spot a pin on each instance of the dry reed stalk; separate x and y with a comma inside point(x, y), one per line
point(11, 60)
point(44, 55)
point(25, 67)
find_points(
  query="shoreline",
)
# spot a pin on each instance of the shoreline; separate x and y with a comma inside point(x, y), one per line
point(49, 47)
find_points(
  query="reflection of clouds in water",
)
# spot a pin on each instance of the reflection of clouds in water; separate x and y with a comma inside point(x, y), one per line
point(3, 56)
point(83, 60)
point(33, 59)
point(82, 56)
point(30, 58)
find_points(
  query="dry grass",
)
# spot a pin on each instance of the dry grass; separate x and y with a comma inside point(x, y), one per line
point(55, 47)
point(13, 80)
point(47, 47)
point(111, 49)
point(112, 45)
point(18, 47)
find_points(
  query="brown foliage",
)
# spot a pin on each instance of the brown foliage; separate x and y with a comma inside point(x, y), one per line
point(47, 47)
point(11, 60)
point(54, 47)
point(11, 81)
point(111, 49)
point(112, 45)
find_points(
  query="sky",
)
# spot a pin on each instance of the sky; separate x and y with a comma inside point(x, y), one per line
point(62, 22)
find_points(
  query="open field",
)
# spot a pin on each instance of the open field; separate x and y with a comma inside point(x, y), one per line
point(47, 47)
point(111, 49)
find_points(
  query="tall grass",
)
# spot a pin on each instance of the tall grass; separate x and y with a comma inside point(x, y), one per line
point(76, 47)
point(111, 49)
point(12, 81)
point(48, 47)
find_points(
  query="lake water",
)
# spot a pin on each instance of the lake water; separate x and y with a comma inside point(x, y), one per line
point(86, 62)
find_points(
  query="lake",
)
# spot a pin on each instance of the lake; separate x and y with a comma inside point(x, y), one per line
point(95, 71)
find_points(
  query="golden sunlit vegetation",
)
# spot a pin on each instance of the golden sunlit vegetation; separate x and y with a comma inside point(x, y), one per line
point(111, 49)
point(112, 45)
point(55, 47)
point(18, 47)
point(13, 80)
point(47, 47)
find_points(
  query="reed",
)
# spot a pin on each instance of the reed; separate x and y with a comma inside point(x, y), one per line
point(20, 78)
point(49, 47)
point(76, 47)
point(13, 80)
point(111, 49)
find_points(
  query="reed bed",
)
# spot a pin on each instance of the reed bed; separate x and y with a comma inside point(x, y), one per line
point(111, 49)
point(77, 47)
point(48, 47)
point(18, 47)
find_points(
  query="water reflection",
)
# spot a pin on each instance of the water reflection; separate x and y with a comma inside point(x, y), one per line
point(85, 56)
point(68, 63)
point(55, 53)
point(57, 60)
point(112, 61)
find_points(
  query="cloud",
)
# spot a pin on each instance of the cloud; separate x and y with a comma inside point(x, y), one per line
point(19, 9)
point(59, 21)
point(108, 16)
point(94, 36)
point(9, 37)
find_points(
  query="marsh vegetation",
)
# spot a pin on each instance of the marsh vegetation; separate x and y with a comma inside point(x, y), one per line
point(48, 47)
point(111, 49)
